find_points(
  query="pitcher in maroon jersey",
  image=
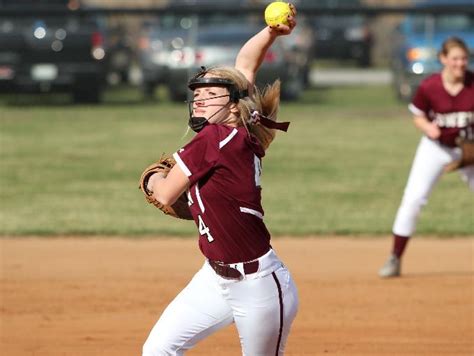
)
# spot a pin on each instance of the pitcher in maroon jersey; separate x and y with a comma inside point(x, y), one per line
point(242, 280)
point(443, 110)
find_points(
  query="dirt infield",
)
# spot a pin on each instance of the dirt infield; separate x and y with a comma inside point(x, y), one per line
point(101, 296)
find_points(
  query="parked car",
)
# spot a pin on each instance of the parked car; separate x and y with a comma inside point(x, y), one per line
point(417, 40)
point(343, 37)
point(173, 50)
point(211, 48)
point(51, 53)
point(168, 33)
point(340, 37)
point(156, 42)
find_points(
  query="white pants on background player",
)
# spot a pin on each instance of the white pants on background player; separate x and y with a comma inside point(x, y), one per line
point(427, 168)
point(210, 302)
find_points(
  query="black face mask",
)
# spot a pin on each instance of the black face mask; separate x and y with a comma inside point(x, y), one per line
point(197, 123)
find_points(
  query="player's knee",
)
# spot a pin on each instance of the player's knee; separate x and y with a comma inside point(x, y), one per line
point(414, 203)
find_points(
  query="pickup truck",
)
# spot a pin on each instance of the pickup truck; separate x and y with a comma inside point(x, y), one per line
point(45, 53)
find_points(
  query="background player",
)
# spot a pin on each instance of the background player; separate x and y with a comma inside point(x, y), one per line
point(242, 279)
point(443, 109)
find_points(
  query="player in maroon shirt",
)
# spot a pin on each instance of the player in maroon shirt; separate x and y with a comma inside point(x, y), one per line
point(242, 280)
point(443, 109)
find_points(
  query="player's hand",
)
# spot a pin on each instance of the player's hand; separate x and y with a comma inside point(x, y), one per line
point(153, 178)
point(282, 29)
point(433, 131)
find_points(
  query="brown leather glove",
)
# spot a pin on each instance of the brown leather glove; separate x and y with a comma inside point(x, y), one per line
point(467, 156)
point(180, 208)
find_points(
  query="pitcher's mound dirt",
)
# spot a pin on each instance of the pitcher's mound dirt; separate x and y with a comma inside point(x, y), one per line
point(101, 296)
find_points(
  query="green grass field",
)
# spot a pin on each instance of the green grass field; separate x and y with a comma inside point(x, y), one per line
point(341, 168)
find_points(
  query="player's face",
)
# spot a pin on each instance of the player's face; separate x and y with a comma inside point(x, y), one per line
point(455, 61)
point(211, 103)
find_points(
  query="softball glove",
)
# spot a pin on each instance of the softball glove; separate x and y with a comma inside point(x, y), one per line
point(180, 208)
point(467, 156)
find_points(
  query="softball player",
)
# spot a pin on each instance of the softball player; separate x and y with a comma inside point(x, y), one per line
point(242, 280)
point(443, 109)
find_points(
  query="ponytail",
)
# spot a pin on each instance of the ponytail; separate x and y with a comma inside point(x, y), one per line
point(267, 103)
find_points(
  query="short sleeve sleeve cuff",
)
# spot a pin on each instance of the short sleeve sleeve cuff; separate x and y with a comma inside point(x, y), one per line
point(416, 111)
point(181, 164)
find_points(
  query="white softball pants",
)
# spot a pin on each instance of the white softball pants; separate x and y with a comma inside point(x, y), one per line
point(262, 305)
point(427, 168)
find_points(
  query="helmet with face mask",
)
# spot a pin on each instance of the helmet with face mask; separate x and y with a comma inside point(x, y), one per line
point(197, 123)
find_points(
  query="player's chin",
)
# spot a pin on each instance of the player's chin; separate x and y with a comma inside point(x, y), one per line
point(459, 72)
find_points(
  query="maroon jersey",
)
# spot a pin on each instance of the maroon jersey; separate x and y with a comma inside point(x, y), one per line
point(454, 115)
point(223, 165)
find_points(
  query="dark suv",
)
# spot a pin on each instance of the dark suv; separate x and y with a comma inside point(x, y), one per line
point(340, 37)
point(343, 37)
point(43, 53)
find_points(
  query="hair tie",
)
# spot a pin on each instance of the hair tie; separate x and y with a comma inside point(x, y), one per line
point(254, 118)
point(257, 118)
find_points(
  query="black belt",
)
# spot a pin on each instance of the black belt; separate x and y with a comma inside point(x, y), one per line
point(227, 271)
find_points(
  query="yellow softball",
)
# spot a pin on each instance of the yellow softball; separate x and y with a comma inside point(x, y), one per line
point(277, 13)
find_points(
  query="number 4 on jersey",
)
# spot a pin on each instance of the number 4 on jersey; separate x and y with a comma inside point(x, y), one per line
point(204, 230)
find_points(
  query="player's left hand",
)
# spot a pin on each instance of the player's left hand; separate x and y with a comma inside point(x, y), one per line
point(159, 170)
point(282, 29)
point(153, 178)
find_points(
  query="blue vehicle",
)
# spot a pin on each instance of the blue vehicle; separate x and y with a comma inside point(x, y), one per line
point(419, 37)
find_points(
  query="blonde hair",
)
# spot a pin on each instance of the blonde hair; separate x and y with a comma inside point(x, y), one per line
point(265, 101)
point(453, 42)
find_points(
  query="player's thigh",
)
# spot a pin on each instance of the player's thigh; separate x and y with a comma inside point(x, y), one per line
point(196, 312)
point(264, 310)
point(427, 168)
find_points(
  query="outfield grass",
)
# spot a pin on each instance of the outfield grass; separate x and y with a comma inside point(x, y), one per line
point(340, 169)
